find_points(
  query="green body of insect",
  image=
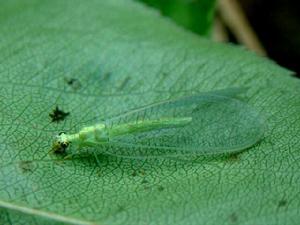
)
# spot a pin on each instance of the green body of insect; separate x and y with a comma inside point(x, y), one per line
point(101, 134)
point(209, 123)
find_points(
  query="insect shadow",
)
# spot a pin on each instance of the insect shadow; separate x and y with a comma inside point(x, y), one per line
point(103, 159)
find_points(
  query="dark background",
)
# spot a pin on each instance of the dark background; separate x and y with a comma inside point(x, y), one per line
point(277, 24)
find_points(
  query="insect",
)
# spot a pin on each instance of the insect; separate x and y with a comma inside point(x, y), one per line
point(208, 123)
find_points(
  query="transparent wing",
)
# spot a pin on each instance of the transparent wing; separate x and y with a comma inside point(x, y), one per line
point(220, 124)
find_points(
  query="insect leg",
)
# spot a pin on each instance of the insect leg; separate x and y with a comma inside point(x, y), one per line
point(97, 159)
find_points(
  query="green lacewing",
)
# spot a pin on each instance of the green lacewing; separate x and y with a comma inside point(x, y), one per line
point(203, 124)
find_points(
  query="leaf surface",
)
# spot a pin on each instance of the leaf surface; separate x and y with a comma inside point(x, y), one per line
point(66, 62)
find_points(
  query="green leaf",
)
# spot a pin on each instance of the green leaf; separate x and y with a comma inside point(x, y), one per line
point(195, 15)
point(101, 58)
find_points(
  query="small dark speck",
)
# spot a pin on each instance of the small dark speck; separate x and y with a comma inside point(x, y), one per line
point(145, 184)
point(134, 174)
point(26, 166)
point(106, 76)
point(144, 181)
point(142, 172)
point(58, 115)
point(282, 203)
point(120, 208)
point(146, 187)
point(233, 217)
point(161, 188)
point(74, 83)
point(99, 173)
point(124, 83)
point(164, 74)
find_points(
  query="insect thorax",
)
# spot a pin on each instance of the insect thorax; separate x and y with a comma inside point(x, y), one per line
point(93, 134)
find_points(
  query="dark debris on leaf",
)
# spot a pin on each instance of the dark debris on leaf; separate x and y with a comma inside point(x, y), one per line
point(74, 83)
point(160, 188)
point(233, 218)
point(134, 173)
point(144, 181)
point(124, 83)
point(120, 208)
point(58, 115)
point(26, 166)
point(282, 203)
